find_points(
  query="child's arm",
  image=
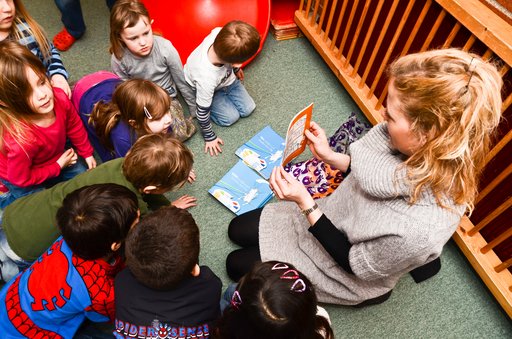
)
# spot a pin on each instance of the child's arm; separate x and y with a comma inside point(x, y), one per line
point(204, 100)
point(118, 68)
point(76, 131)
point(20, 170)
point(176, 70)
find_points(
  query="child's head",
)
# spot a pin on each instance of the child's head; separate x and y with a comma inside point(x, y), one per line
point(274, 300)
point(236, 42)
point(26, 91)
point(452, 102)
point(130, 27)
point(14, 13)
point(163, 249)
point(94, 220)
point(158, 163)
point(140, 103)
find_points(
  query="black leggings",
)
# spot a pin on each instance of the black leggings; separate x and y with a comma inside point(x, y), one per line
point(243, 231)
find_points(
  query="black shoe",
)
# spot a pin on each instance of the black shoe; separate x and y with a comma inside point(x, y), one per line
point(426, 271)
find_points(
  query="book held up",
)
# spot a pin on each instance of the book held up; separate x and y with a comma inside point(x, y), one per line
point(245, 187)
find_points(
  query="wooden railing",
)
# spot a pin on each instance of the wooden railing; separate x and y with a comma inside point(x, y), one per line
point(359, 38)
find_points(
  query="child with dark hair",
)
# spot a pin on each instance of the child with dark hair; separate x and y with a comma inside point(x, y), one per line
point(156, 164)
point(213, 70)
point(74, 279)
point(274, 300)
point(163, 292)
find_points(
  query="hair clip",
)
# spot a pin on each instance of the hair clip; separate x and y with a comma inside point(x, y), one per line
point(148, 115)
point(279, 266)
point(290, 274)
point(298, 286)
point(236, 300)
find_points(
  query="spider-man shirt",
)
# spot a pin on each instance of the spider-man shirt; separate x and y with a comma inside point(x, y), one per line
point(187, 311)
point(52, 297)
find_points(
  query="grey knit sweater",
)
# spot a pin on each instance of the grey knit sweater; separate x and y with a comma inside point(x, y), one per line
point(389, 236)
point(162, 66)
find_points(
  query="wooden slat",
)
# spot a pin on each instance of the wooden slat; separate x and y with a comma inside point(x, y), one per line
point(499, 146)
point(315, 11)
point(347, 27)
point(358, 31)
point(496, 241)
point(494, 183)
point(484, 264)
point(322, 17)
point(504, 69)
point(350, 83)
point(367, 37)
point(507, 102)
point(483, 23)
point(407, 46)
point(338, 24)
point(308, 8)
point(491, 216)
point(433, 31)
point(385, 60)
point(504, 265)
point(451, 36)
point(329, 21)
point(378, 44)
point(469, 43)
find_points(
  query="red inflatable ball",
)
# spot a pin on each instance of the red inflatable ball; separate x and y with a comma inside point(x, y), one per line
point(187, 22)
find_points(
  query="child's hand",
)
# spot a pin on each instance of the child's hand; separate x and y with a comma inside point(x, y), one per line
point(91, 162)
point(317, 142)
point(191, 176)
point(184, 202)
point(59, 81)
point(213, 147)
point(240, 74)
point(68, 158)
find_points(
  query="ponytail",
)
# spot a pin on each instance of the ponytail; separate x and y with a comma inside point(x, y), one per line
point(104, 117)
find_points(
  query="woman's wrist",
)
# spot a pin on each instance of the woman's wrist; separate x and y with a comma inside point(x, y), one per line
point(306, 202)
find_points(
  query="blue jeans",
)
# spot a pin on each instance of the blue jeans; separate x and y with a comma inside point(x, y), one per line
point(225, 301)
point(72, 17)
point(230, 103)
point(16, 192)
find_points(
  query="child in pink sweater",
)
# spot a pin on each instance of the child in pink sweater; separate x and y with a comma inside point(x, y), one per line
point(35, 122)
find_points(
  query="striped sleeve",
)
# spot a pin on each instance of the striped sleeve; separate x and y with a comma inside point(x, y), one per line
point(203, 118)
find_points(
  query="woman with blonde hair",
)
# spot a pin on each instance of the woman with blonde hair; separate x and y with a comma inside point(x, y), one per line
point(412, 177)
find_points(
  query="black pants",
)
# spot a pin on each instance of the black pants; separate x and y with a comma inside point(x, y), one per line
point(243, 231)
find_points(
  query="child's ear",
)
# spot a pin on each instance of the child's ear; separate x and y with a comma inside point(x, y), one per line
point(115, 246)
point(149, 189)
point(196, 271)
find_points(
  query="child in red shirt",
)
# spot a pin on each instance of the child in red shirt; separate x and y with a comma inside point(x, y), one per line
point(35, 122)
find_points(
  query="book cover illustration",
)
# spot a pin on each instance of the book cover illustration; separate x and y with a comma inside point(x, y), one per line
point(241, 189)
point(263, 151)
point(295, 138)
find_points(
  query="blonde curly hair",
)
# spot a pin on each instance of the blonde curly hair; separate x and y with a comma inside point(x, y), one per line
point(453, 99)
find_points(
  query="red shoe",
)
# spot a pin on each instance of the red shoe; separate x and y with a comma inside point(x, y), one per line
point(63, 40)
point(3, 189)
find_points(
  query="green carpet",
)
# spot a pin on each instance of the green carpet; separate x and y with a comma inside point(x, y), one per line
point(283, 79)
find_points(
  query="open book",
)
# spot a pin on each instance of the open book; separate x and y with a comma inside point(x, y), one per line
point(267, 149)
point(241, 189)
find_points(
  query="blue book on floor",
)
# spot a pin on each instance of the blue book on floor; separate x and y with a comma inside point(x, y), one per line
point(262, 152)
point(241, 189)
